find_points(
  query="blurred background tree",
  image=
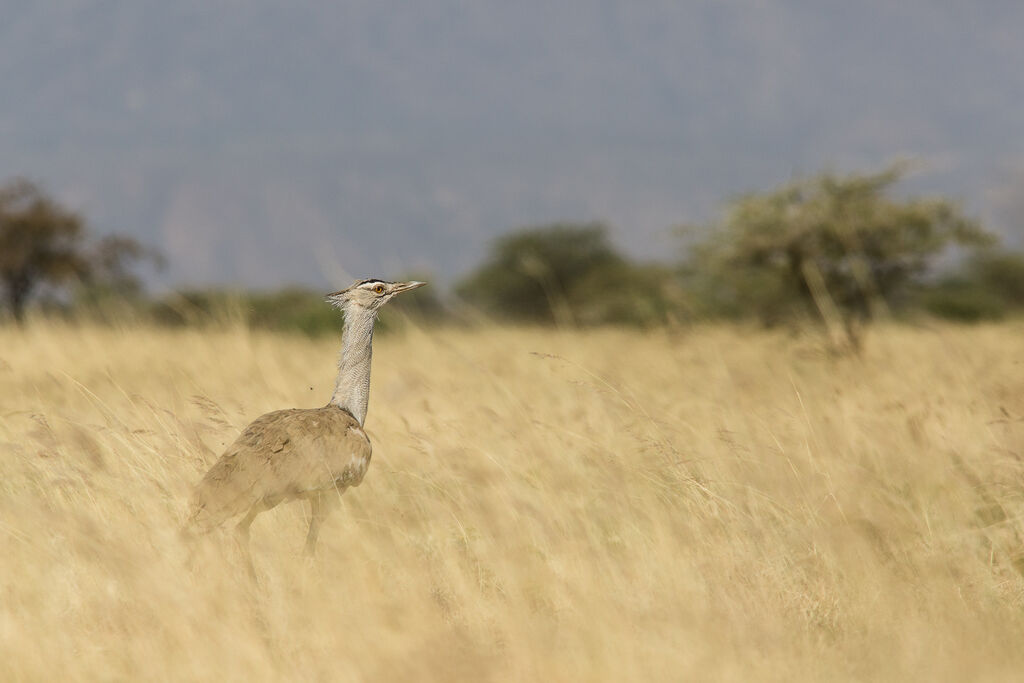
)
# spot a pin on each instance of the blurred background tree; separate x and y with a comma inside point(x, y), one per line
point(838, 248)
point(988, 286)
point(110, 287)
point(568, 274)
point(44, 245)
point(41, 243)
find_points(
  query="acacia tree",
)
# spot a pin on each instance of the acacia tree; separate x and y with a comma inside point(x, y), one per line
point(531, 273)
point(44, 244)
point(839, 247)
point(569, 274)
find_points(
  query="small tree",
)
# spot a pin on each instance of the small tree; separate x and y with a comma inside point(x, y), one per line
point(989, 285)
point(838, 247)
point(569, 274)
point(531, 273)
point(42, 243)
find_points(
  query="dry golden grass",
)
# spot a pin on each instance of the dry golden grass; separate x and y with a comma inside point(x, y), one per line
point(713, 504)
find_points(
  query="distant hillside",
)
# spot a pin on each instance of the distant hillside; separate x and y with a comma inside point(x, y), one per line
point(261, 143)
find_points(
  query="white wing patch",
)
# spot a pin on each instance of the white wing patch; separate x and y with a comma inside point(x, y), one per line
point(356, 468)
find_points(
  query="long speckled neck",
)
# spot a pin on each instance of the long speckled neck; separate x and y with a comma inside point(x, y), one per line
point(352, 391)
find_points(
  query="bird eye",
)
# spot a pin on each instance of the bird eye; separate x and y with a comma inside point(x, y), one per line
point(379, 289)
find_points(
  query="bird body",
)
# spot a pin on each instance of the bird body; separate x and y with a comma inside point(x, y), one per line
point(303, 453)
point(284, 455)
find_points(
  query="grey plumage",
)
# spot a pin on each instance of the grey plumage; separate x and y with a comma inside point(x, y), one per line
point(312, 454)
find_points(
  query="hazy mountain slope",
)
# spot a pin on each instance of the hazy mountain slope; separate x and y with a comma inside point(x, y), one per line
point(264, 143)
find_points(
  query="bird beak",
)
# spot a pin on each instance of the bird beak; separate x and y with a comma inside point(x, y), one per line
point(406, 286)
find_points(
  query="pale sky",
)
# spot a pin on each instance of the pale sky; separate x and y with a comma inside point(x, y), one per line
point(260, 144)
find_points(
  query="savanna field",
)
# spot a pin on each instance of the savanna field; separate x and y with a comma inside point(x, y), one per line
point(723, 504)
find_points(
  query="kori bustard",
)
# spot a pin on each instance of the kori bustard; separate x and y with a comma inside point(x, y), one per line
point(304, 453)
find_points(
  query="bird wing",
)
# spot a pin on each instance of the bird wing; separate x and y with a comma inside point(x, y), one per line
point(281, 455)
point(327, 449)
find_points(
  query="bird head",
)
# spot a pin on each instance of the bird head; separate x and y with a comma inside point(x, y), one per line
point(370, 294)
